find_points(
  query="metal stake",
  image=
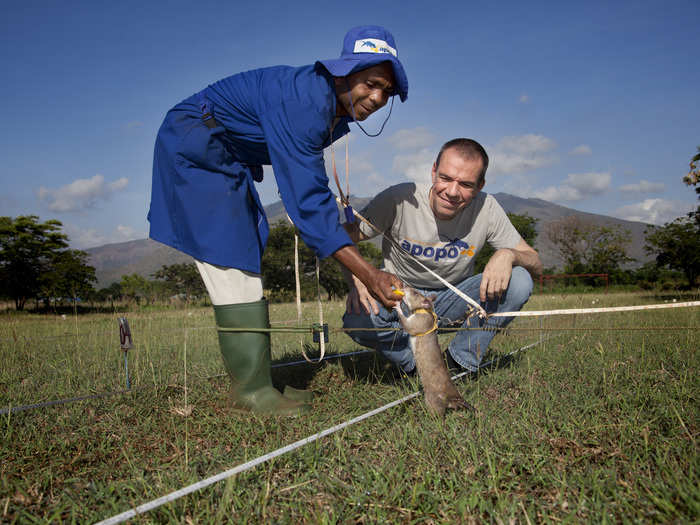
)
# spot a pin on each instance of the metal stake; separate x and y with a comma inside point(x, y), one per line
point(126, 343)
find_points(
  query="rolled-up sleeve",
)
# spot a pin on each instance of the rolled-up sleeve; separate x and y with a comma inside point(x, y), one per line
point(295, 134)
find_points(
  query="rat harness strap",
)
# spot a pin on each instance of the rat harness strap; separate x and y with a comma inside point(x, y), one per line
point(435, 321)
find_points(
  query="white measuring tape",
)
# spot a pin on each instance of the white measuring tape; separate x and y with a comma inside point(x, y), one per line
point(572, 311)
point(120, 518)
point(141, 509)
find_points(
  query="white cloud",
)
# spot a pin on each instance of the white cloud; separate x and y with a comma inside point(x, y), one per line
point(364, 177)
point(581, 149)
point(654, 211)
point(372, 184)
point(415, 166)
point(591, 183)
point(81, 193)
point(524, 99)
point(556, 194)
point(127, 232)
point(521, 153)
point(359, 167)
point(577, 187)
point(527, 144)
point(412, 139)
point(82, 238)
point(643, 186)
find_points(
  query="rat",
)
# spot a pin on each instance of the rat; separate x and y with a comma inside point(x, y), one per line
point(421, 325)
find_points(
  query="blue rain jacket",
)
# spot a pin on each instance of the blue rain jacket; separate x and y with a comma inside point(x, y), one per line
point(203, 199)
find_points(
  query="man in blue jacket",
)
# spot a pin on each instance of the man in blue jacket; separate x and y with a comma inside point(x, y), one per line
point(209, 151)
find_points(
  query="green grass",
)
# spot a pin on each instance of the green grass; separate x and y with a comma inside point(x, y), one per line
point(597, 424)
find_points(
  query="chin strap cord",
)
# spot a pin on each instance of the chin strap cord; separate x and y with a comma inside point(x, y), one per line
point(352, 110)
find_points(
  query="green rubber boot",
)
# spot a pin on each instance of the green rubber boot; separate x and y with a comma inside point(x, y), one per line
point(247, 360)
point(305, 396)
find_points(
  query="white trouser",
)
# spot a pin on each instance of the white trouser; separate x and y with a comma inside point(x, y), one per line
point(230, 285)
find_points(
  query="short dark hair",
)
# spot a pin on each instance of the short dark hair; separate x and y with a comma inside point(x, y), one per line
point(468, 149)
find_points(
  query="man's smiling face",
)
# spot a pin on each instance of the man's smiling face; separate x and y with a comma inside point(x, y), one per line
point(367, 90)
point(456, 181)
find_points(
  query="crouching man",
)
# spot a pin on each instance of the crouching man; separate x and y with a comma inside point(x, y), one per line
point(443, 225)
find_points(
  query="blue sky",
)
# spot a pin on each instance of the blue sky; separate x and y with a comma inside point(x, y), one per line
point(592, 105)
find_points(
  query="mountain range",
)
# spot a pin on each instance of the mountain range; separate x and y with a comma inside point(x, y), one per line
point(145, 256)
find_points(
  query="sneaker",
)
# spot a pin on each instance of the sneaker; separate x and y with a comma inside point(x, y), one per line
point(451, 363)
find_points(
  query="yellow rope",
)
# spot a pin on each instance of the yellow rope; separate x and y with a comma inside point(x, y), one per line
point(435, 321)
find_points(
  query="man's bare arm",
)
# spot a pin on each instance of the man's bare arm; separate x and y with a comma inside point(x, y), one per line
point(359, 298)
point(379, 284)
point(528, 258)
point(496, 275)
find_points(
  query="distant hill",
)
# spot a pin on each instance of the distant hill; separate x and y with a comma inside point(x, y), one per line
point(547, 212)
point(145, 256)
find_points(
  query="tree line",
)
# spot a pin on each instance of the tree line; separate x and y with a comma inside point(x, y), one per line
point(37, 264)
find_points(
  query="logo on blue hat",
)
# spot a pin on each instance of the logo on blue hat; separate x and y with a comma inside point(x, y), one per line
point(373, 45)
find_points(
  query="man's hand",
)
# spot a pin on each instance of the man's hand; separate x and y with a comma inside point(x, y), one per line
point(359, 299)
point(496, 275)
point(379, 284)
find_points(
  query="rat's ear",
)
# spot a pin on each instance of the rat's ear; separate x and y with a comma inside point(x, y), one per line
point(428, 302)
point(432, 298)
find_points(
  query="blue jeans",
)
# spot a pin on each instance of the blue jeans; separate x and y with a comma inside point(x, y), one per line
point(468, 348)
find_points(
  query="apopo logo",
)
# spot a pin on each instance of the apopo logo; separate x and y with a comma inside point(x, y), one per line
point(463, 247)
point(451, 250)
point(373, 45)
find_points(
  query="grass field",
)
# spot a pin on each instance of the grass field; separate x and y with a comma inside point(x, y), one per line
point(598, 423)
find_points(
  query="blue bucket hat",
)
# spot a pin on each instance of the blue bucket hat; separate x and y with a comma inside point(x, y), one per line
point(367, 46)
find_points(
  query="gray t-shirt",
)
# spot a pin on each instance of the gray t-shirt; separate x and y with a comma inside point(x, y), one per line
point(446, 247)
